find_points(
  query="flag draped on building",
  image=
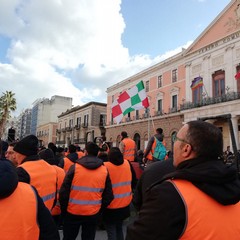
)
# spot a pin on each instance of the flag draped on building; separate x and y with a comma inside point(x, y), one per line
point(237, 76)
point(133, 99)
point(197, 82)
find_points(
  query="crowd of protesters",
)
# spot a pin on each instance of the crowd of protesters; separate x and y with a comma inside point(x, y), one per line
point(191, 194)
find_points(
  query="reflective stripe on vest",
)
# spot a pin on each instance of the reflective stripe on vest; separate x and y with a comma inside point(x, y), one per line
point(67, 164)
point(19, 214)
point(206, 218)
point(129, 149)
point(43, 177)
point(60, 177)
point(86, 191)
point(121, 178)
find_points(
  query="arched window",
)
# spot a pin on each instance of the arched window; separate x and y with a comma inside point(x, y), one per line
point(137, 140)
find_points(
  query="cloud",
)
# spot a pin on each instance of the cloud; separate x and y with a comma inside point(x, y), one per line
point(71, 48)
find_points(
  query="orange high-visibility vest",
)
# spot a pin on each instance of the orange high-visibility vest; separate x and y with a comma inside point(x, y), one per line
point(121, 178)
point(67, 164)
point(80, 154)
point(151, 152)
point(129, 149)
point(86, 192)
point(205, 217)
point(44, 178)
point(60, 177)
point(19, 214)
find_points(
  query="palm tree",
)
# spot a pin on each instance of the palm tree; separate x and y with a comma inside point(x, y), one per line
point(7, 104)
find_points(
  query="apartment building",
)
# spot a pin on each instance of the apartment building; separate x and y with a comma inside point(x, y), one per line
point(81, 124)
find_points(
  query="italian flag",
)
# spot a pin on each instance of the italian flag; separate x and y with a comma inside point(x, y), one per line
point(133, 99)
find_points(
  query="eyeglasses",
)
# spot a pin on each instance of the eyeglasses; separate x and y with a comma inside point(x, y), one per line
point(176, 138)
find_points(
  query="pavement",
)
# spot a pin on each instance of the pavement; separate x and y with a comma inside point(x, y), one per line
point(102, 234)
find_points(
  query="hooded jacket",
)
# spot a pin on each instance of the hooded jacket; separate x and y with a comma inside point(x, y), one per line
point(89, 162)
point(9, 183)
point(168, 216)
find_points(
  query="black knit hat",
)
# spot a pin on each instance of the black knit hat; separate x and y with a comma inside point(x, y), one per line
point(28, 146)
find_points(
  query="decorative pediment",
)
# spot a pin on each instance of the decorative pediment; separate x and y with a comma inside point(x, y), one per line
point(224, 29)
point(175, 90)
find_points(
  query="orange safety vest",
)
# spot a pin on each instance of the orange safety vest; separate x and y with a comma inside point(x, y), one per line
point(67, 164)
point(205, 217)
point(80, 154)
point(150, 154)
point(44, 178)
point(86, 191)
point(60, 177)
point(121, 178)
point(19, 214)
point(129, 149)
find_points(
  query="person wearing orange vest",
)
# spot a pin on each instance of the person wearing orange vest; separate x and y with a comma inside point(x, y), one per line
point(34, 170)
point(148, 153)
point(121, 175)
point(71, 157)
point(200, 199)
point(127, 147)
point(85, 191)
point(23, 213)
point(49, 156)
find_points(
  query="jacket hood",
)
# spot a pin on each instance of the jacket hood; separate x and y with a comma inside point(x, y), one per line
point(90, 162)
point(72, 156)
point(216, 179)
point(8, 178)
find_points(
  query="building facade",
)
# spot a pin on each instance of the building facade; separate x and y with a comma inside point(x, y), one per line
point(198, 83)
point(44, 117)
point(81, 124)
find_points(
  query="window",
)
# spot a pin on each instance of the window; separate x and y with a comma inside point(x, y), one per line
point(70, 122)
point(197, 89)
point(197, 94)
point(174, 102)
point(137, 114)
point(159, 105)
point(174, 75)
point(238, 80)
point(147, 86)
point(85, 123)
point(159, 83)
point(218, 83)
point(78, 121)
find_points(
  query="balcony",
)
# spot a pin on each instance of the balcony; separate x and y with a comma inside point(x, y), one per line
point(159, 113)
point(211, 100)
point(77, 126)
point(60, 142)
point(58, 130)
point(84, 125)
point(68, 129)
point(63, 129)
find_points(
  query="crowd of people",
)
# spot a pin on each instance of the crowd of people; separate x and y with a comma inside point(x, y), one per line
point(190, 194)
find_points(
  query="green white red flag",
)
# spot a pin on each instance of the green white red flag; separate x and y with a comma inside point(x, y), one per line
point(133, 99)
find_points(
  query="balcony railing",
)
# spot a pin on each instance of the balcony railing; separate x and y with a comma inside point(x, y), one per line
point(211, 100)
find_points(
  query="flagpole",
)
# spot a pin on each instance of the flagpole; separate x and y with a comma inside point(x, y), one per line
point(205, 89)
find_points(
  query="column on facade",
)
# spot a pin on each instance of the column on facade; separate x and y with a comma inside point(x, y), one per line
point(230, 82)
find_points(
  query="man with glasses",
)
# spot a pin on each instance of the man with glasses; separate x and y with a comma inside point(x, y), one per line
point(200, 199)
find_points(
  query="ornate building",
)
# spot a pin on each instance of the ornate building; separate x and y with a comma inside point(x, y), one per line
point(197, 83)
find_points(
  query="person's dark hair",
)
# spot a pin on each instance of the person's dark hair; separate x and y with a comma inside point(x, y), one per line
point(115, 156)
point(60, 149)
point(205, 138)
point(52, 146)
point(103, 156)
point(159, 130)
point(72, 148)
point(12, 144)
point(124, 134)
point(92, 149)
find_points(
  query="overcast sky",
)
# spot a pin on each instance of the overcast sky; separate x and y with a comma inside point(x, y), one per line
point(78, 48)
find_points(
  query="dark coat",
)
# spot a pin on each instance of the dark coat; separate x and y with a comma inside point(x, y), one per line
point(163, 214)
point(152, 173)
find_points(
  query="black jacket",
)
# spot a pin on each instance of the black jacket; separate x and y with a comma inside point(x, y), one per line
point(9, 182)
point(89, 162)
point(152, 173)
point(163, 214)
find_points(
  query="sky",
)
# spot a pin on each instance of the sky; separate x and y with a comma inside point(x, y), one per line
point(79, 48)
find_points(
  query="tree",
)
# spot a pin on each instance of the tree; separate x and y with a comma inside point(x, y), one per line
point(7, 104)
